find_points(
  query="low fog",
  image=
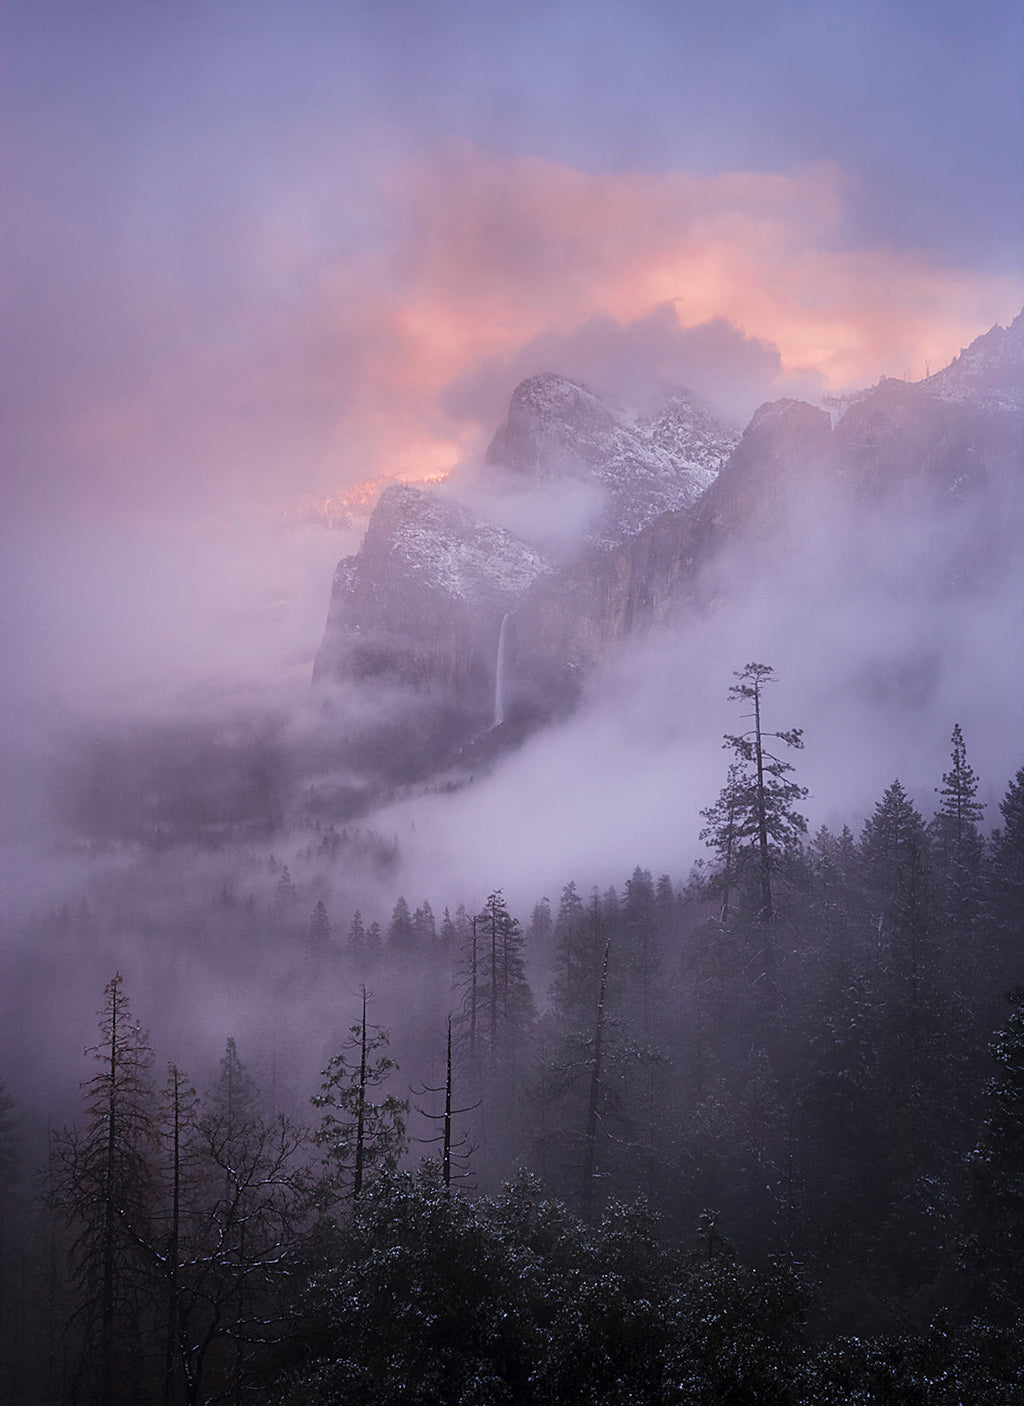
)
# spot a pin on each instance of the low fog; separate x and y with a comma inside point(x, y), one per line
point(876, 658)
point(147, 667)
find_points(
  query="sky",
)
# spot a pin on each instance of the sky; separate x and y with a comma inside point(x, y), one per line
point(255, 253)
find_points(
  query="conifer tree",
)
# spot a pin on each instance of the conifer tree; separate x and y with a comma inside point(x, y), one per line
point(723, 833)
point(424, 928)
point(401, 932)
point(505, 1001)
point(235, 1096)
point(579, 947)
point(755, 823)
point(766, 797)
point(359, 1134)
point(958, 847)
point(319, 939)
point(357, 944)
point(102, 1179)
point(894, 852)
point(1005, 898)
point(448, 934)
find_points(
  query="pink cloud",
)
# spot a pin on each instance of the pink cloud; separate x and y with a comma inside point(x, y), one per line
point(332, 364)
point(496, 257)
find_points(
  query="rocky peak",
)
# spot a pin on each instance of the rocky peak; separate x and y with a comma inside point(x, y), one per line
point(417, 536)
point(553, 425)
point(785, 440)
point(990, 372)
point(644, 463)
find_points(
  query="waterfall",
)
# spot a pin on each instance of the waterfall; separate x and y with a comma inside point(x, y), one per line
point(499, 677)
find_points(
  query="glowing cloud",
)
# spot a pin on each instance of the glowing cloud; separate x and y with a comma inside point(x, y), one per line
point(320, 363)
point(495, 259)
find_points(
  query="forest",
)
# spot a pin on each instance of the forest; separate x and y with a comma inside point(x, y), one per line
point(755, 1136)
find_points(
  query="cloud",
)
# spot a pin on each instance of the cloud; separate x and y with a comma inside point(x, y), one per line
point(513, 254)
point(289, 346)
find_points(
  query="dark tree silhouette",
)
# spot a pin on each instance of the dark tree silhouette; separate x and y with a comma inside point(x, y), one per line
point(102, 1179)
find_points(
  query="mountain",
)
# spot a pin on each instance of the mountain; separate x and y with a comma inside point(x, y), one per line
point(421, 604)
point(643, 463)
point(429, 584)
point(988, 373)
point(438, 603)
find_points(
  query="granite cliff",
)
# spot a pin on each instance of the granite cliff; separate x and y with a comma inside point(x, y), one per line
point(439, 601)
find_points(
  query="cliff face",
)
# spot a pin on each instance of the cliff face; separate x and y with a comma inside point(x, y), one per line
point(422, 603)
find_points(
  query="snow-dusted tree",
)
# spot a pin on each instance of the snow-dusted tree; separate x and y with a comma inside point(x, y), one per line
point(961, 811)
point(359, 1134)
point(996, 1246)
point(102, 1179)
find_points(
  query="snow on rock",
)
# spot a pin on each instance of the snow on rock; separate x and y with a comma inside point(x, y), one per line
point(646, 463)
point(445, 549)
point(989, 373)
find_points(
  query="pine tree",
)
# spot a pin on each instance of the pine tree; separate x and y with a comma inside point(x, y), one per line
point(424, 928)
point(961, 810)
point(579, 948)
point(319, 938)
point(357, 944)
point(958, 847)
point(642, 957)
point(1004, 904)
point(455, 1152)
point(359, 1135)
point(183, 1176)
point(448, 935)
point(768, 820)
point(755, 823)
point(723, 834)
point(102, 1179)
point(235, 1096)
point(894, 853)
point(285, 893)
point(504, 999)
point(401, 932)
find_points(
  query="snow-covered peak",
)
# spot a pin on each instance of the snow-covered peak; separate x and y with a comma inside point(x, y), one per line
point(443, 548)
point(990, 372)
point(645, 463)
